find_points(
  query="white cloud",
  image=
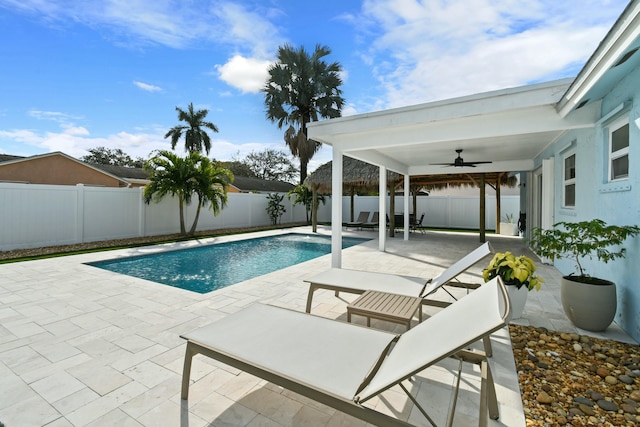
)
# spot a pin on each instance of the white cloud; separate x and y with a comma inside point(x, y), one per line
point(75, 131)
point(75, 141)
point(246, 74)
point(250, 31)
point(54, 116)
point(147, 87)
point(168, 23)
point(427, 50)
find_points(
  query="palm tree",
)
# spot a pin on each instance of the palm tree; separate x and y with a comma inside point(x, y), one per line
point(302, 195)
point(211, 184)
point(180, 177)
point(195, 138)
point(302, 88)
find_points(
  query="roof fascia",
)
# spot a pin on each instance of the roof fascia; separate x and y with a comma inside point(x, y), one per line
point(623, 33)
point(506, 123)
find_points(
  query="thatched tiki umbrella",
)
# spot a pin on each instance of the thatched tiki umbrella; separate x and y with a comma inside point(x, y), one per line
point(356, 175)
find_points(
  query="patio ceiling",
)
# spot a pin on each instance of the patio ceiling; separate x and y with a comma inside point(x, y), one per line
point(508, 127)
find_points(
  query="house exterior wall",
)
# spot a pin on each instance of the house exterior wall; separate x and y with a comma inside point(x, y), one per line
point(55, 170)
point(614, 202)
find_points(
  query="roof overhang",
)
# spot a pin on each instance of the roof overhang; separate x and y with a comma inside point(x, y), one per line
point(510, 127)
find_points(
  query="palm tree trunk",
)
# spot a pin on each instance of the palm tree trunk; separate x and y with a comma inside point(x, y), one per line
point(195, 221)
point(303, 169)
point(181, 204)
point(314, 211)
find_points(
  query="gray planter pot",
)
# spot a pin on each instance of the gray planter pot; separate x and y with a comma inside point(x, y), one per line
point(590, 306)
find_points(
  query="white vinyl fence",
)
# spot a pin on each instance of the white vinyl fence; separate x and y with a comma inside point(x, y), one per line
point(47, 215)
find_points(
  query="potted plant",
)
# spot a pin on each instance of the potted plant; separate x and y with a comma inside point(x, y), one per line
point(589, 302)
point(518, 274)
point(275, 209)
point(508, 225)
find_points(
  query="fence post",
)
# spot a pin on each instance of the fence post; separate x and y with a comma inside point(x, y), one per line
point(79, 237)
point(141, 214)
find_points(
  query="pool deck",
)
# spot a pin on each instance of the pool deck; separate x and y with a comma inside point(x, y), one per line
point(82, 346)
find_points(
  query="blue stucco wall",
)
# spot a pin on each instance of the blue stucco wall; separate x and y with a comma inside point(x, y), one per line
point(615, 203)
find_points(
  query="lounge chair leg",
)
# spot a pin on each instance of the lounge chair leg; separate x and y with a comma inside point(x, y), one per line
point(415, 402)
point(186, 371)
point(488, 350)
point(492, 400)
point(488, 399)
point(454, 398)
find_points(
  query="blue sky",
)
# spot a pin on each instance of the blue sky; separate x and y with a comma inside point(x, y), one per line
point(81, 74)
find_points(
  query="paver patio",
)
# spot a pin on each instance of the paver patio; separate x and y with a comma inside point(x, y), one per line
point(81, 346)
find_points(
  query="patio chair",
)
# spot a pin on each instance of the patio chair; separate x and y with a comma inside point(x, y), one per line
point(358, 281)
point(418, 224)
point(375, 221)
point(362, 218)
point(342, 365)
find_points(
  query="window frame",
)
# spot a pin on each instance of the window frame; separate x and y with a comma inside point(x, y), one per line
point(618, 154)
point(568, 181)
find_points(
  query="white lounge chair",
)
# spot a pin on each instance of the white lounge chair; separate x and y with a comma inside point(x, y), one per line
point(343, 365)
point(357, 281)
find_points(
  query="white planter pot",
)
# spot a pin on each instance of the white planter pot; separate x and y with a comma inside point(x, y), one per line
point(508, 229)
point(517, 299)
point(589, 306)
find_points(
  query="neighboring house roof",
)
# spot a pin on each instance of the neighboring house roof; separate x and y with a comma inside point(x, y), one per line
point(246, 185)
point(8, 158)
point(128, 173)
point(124, 175)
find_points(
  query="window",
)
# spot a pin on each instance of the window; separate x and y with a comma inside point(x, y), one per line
point(569, 180)
point(619, 150)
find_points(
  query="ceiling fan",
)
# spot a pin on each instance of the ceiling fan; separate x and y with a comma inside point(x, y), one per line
point(459, 161)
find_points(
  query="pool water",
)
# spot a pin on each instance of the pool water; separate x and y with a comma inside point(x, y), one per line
point(207, 268)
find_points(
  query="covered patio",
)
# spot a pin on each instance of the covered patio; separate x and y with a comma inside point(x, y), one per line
point(507, 129)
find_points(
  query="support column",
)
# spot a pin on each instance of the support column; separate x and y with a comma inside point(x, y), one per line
point(407, 190)
point(336, 209)
point(483, 212)
point(382, 201)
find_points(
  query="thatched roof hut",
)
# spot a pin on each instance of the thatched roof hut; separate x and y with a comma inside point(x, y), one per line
point(356, 174)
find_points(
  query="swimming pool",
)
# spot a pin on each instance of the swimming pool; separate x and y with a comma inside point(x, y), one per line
point(207, 268)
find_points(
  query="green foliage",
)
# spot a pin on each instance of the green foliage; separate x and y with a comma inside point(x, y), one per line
point(272, 165)
point(275, 208)
point(509, 218)
point(238, 168)
point(195, 138)
point(303, 195)
point(109, 156)
point(514, 270)
point(577, 240)
point(170, 174)
point(302, 88)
